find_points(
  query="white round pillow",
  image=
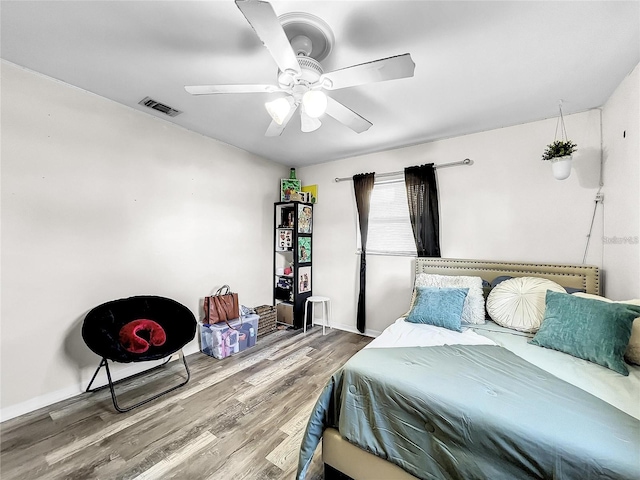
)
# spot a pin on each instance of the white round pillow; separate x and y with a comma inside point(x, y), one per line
point(518, 303)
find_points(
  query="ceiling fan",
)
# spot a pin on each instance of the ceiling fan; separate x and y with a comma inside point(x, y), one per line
point(298, 42)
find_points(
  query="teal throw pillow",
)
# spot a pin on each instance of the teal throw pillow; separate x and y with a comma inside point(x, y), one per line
point(440, 307)
point(587, 328)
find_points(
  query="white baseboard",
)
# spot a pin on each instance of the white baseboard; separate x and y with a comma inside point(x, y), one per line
point(41, 401)
point(33, 404)
point(348, 328)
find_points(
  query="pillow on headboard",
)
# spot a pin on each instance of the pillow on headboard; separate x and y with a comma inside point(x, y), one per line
point(473, 310)
point(632, 354)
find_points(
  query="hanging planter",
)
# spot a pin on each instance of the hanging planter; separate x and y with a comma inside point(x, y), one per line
point(561, 167)
point(559, 153)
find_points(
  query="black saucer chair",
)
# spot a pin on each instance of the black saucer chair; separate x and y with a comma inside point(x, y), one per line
point(138, 329)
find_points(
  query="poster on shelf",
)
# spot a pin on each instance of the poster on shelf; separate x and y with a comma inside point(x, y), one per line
point(313, 192)
point(304, 249)
point(305, 219)
point(284, 240)
point(288, 187)
point(304, 279)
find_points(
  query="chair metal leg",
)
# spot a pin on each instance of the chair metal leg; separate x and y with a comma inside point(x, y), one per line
point(111, 384)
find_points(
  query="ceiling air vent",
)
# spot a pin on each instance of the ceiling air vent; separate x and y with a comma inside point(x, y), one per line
point(161, 107)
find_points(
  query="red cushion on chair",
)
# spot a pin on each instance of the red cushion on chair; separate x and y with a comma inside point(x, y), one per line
point(136, 336)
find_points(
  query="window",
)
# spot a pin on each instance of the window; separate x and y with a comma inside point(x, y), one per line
point(390, 230)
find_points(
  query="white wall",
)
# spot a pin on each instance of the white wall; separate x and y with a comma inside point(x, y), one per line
point(621, 129)
point(99, 202)
point(507, 206)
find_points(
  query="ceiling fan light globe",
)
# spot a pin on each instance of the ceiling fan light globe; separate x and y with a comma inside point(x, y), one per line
point(278, 109)
point(308, 124)
point(315, 103)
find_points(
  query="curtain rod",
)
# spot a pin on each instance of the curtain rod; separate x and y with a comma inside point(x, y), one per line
point(466, 161)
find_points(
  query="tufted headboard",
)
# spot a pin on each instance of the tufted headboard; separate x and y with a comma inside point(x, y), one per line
point(583, 277)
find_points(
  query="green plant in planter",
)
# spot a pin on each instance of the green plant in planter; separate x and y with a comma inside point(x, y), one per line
point(559, 148)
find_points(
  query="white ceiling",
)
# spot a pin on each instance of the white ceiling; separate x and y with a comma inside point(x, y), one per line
point(479, 65)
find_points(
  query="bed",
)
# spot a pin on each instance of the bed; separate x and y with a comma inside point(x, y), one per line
point(482, 403)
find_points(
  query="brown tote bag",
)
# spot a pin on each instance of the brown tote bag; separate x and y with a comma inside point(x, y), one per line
point(222, 306)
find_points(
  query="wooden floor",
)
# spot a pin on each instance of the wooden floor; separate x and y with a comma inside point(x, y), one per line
point(238, 418)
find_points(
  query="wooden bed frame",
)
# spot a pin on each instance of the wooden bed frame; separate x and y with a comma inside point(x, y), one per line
point(344, 460)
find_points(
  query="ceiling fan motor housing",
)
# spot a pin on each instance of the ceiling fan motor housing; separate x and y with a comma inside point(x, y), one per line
point(311, 73)
point(311, 69)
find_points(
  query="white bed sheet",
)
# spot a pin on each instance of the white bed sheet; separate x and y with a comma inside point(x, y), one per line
point(620, 391)
point(406, 334)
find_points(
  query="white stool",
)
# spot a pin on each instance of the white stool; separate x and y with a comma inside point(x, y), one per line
point(326, 311)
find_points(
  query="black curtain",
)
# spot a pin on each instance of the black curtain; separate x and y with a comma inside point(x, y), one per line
point(422, 196)
point(362, 185)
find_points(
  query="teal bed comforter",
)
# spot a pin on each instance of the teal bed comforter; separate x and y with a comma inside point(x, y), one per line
point(472, 412)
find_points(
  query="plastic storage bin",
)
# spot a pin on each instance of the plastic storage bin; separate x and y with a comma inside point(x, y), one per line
point(219, 341)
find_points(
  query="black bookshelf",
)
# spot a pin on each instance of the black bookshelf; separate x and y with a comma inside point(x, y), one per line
point(292, 262)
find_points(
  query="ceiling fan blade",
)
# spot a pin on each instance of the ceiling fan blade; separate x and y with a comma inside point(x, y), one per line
point(264, 21)
point(400, 66)
point(274, 129)
point(347, 116)
point(214, 89)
